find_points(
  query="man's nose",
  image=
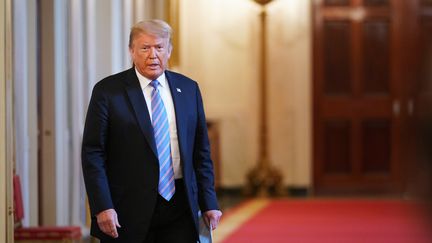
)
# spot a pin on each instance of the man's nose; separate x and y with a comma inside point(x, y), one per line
point(152, 53)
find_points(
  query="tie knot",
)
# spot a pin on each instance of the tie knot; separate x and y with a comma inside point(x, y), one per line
point(154, 83)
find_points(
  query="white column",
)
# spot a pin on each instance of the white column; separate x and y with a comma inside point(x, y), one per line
point(33, 129)
point(128, 21)
point(100, 39)
point(54, 113)
point(159, 9)
point(25, 105)
point(77, 104)
point(21, 101)
point(118, 47)
point(61, 99)
point(139, 10)
point(47, 65)
point(91, 45)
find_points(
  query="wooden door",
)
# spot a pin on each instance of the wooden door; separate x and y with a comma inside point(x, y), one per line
point(423, 28)
point(417, 87)
point(421, 99)
point(359, 96)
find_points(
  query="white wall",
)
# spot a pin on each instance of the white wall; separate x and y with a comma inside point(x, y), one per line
point(290, 74)
point(219, 48)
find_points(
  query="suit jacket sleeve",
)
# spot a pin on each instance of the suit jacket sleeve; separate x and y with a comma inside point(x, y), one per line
point(94, 152)
point(202, 161)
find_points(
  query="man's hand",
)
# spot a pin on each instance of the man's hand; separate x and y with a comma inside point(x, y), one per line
point(212, 218)
point(108, 222)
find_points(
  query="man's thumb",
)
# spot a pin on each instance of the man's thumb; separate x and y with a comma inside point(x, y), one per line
point(117, 222)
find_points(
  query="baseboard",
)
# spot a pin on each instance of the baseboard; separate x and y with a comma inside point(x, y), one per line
point(296, 191)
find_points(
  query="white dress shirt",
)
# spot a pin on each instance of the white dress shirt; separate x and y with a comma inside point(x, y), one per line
point(169, 106)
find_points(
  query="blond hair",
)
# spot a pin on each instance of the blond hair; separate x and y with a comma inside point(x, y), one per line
point(154, 27)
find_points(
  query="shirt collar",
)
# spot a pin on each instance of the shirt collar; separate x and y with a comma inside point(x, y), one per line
point(144, 82)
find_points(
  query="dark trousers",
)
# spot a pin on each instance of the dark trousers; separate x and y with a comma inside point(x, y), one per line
point(172, 221)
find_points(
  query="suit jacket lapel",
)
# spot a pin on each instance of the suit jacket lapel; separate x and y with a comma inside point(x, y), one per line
point(139, 105)
point(180, 110)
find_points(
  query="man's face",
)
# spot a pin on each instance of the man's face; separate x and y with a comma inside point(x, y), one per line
point(150, 54)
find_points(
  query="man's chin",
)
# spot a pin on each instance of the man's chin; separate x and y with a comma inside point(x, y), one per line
point(154, 74)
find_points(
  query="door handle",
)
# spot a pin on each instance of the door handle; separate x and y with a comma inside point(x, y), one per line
point(410, 107)
point(396, 108)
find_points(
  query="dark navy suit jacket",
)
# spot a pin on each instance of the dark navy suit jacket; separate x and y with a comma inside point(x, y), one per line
point(119, 158)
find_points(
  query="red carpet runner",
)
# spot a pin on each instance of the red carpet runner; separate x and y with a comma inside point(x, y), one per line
point(333, 221)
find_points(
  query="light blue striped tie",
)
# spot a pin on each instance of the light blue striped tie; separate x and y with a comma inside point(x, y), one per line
point(160, 124)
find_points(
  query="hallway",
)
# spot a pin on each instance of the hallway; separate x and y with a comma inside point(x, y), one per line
point(347, 83)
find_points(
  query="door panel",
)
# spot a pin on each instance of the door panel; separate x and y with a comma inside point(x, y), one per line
point(336, 2)
point(376, 3)
point(337, 147)
point(423, 94)
point(420, 100)
point(376, 144)
point(427, 3)
point(426, 54)
point(337, 56)
point(376, 63)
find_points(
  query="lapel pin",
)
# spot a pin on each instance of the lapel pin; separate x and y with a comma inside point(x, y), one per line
point(178, 90)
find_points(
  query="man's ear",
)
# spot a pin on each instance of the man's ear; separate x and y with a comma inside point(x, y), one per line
point(131, 52)
point(170, 48)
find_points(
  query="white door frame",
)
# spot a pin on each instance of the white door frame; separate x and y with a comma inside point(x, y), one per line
point(6, 123)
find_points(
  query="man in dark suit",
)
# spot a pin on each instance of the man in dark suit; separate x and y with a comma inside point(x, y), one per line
point(145, 152)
